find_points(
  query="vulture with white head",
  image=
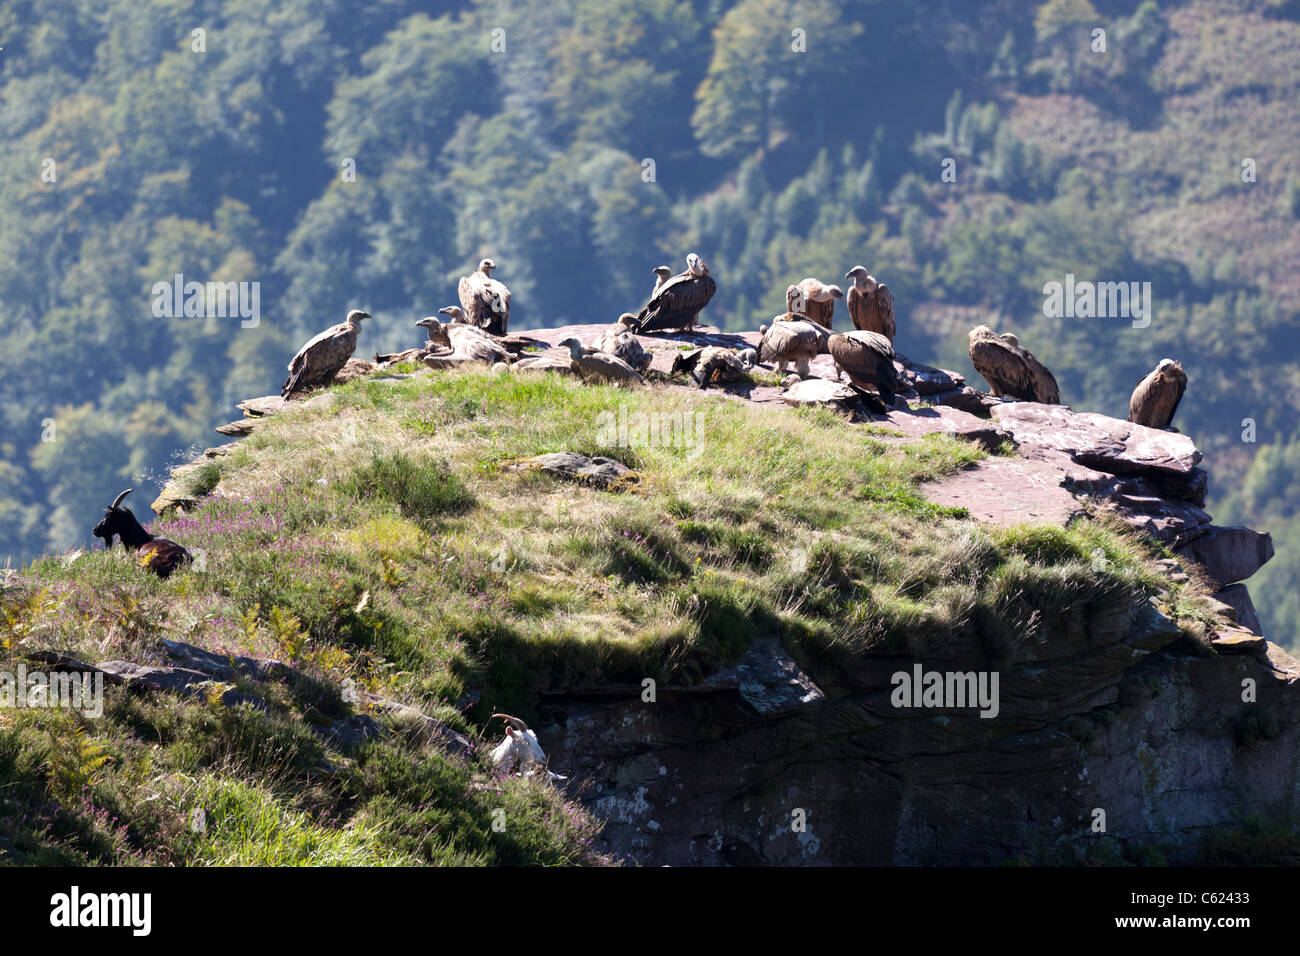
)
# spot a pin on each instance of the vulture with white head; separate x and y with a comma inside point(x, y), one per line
point(1011, 371)
point(816, 301)
point(1156, 397)
point(662, 275)
point(485, 300)
point(871, 304)
point(323, 356)
point(676, 303)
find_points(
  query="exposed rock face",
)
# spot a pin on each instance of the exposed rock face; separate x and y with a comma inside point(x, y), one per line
point(1106, 444)
point(1110, 711)
point(1230, 554)
point(1238, 598)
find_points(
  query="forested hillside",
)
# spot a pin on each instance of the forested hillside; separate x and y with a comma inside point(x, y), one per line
point(345, 154)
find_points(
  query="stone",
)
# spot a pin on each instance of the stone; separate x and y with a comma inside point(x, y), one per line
point(225, 667)
point(1229, 554)
point(598, 471)
point(353, 731)
point(553, 360)
point(236, 429)
point(944, 420)
point(771, 682)
point(266, 405)
point(1107, 445)
point(965, 398)
point(1238, 598)
point(1236, 640)
point(174, 680)
point(1007, 491)
point(924, 379)
point(820, 391)
point(353, 368)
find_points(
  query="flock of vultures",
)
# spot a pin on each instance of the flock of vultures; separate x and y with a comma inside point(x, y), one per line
point(477, 331)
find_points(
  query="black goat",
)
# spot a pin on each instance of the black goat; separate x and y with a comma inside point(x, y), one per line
point(159, 555)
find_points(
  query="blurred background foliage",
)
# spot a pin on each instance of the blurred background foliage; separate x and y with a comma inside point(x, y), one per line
point(520, 130)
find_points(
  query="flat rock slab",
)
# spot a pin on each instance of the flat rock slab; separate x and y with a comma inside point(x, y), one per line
point(1230, 554)
point(224, 667)
point(180, 680)
point(1096, 441)
point(1006, 492)
point(552, 360)
point(236, 429)
point(601, 472)
point(944, 420)
point(1237, 640)
point(965, 398)
point(821, 391)
point(266, 405)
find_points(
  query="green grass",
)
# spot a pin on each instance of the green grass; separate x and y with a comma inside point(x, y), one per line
point(382, 540)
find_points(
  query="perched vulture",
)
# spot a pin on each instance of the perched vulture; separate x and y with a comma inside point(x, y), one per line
point(467, 343)
point(485, 300)
point(1157, 396)
point(817, 300)
point(868, 360)
point(785, 341)
point(711, 364)
point(619, 340)
point(514, 344)
point(676, 303)
point(591, 364)
point(871, 304)
point(662, 273)
point(1011, 371)
point(319, 360)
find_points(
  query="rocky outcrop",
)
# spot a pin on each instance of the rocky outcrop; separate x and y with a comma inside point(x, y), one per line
point(1108, 714)
point(1229, 555)
point(1113, 712)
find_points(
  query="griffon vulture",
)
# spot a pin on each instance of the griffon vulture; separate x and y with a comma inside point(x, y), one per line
point(1157, 396)
point(662, 274)
point(466, 343)
point(871, 304)
point(868, 360)
point(486, 301)
point(785, 341)
point(1011, 371)
point(676, 303)
point(711, 364)
point(817, 300)
point(619, 340)
point(320, 359)
point(591, 364)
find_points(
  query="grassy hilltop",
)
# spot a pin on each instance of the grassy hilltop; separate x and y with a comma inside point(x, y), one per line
point(379, 536)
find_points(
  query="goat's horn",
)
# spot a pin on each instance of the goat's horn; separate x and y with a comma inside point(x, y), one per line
point(513, 721)
point(117, 501)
